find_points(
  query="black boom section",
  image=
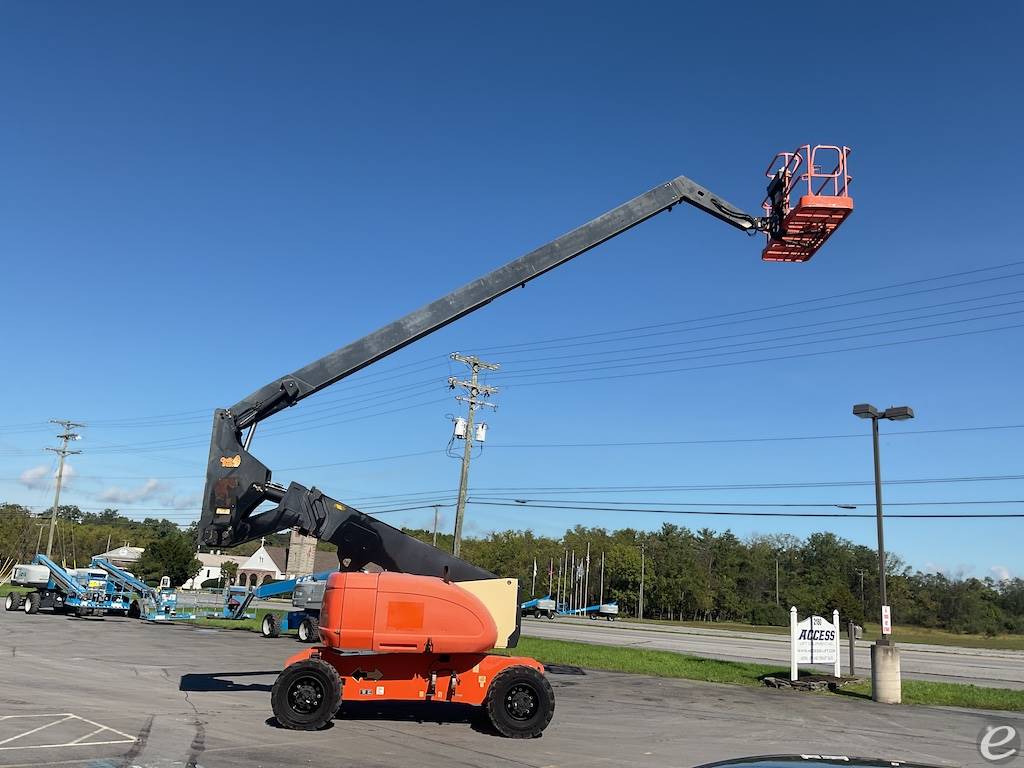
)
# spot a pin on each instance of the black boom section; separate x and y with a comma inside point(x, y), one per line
point(237, 483)
point(347, 360)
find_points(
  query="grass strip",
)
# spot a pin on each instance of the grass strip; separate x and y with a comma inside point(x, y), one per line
point(642, 661)
point(902, 634)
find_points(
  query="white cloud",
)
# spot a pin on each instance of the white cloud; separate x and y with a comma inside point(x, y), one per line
point(189, 501)
point(119, 495)
point(41, 477)
point(1001, 572)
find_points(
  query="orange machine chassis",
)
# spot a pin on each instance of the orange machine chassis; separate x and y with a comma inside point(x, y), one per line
point(458, 677)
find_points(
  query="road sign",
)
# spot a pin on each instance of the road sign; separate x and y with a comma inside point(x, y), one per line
point(886, 620)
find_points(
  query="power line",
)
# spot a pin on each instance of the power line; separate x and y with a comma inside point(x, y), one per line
point(432, 361)
point(775, 358)
point(664, 358)
point(688, 354)
point(767, 504)
point(723, 513)
point(508, 348)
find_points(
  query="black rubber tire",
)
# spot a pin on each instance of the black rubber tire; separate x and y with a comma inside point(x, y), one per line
point(551, 615)
point(309, 630)
point(271, 625)
point(134, 610)
point(514, 690)
point(306, 695)
point(32, 600)
point(13, 601)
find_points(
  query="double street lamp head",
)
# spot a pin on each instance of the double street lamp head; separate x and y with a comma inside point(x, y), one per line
point(893, 413)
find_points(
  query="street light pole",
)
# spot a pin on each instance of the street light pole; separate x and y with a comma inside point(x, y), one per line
point(878, 520)
point(886, 682)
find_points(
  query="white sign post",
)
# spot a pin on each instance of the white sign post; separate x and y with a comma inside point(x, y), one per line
point(813, 641)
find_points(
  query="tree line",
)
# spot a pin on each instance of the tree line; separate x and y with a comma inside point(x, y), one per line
point(694, 575)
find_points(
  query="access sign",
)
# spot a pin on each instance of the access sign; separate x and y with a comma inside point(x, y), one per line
point(886, 620)
point(814, 640)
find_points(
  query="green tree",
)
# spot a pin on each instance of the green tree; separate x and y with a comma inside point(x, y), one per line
point(170, 554)
point(228, 571)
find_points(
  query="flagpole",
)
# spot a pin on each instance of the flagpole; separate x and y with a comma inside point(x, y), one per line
point(586, 579)
point(572, 600)
point(601, 601)
point(533, 588)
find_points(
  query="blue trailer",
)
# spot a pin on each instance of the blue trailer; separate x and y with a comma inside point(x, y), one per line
point(78, 591)
point(307, 596)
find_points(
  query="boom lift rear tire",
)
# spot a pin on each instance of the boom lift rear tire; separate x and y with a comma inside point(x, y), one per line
point(32, 600)
point(13, 601)
point(520, 703)
point(134, 610)
point(309, 630)
point(271, 625)
point(306, 695)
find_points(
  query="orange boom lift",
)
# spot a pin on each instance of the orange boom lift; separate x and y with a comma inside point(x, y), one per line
point(421, 626)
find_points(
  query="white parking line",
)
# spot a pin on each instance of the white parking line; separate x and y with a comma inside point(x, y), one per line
point(63, 717)
point(35, 730)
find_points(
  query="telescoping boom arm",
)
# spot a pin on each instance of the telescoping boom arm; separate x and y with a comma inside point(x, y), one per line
point(237, 483)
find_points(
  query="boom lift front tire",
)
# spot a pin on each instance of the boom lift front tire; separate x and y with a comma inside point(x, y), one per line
point(306, 695)
point(271, 625)
point(13, 601)
point(309, 630)
point(135, 610)
point(32, 601)
point(520, 703)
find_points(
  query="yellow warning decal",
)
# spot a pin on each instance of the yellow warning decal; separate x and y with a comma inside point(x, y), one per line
point(231, 461)
point(339, 507)
point(222, 511)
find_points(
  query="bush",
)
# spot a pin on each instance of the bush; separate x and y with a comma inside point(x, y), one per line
point(770, 615)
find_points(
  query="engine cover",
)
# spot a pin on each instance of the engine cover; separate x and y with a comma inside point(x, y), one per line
point(403, 613)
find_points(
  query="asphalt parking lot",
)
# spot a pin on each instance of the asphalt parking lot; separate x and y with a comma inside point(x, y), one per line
point(118, 692)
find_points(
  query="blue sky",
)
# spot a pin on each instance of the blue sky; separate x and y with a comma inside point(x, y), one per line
point(195, 201)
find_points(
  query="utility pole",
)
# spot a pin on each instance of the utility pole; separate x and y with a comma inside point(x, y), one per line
point(476, 392)
point(437, 509)
point(776, 579)
point(863, 605)
point(643, 562)
point(63, 452)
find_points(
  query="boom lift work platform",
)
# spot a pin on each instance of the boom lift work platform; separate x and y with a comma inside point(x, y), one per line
point(79, 591)
point(424, 628)
point(307, 594)
point(149, 603)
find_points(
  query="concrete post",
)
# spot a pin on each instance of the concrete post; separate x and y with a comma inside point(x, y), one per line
point(886, 682)
point(837, 672)
point(851, 636)
point(793, 621)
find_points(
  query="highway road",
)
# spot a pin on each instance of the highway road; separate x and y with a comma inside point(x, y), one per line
point(992, 668)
